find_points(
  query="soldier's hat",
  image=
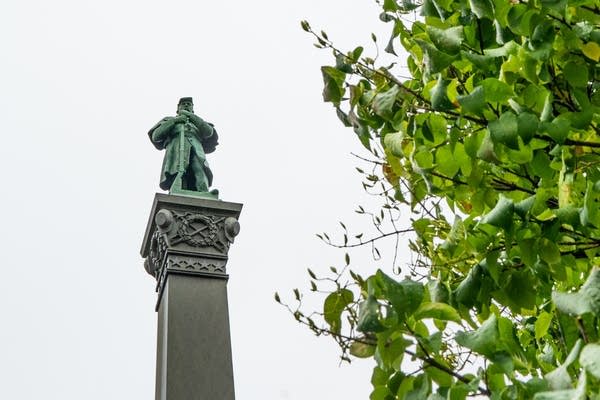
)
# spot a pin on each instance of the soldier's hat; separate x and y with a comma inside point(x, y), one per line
point(185, 100)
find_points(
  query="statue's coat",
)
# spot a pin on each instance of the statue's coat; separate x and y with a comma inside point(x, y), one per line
point(199, 138)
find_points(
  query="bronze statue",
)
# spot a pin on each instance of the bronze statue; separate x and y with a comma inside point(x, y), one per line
point(186, 138)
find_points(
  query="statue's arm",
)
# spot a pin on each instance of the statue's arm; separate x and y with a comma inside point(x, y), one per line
point(204, 128)
point(211, 143)
point(161, 132)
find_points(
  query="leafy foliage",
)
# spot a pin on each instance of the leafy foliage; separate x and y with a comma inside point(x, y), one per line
point(489, 135)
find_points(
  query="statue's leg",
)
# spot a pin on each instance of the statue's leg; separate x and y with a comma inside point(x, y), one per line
point(197, 168)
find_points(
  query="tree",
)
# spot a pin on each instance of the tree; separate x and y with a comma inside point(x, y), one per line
point(493, 144)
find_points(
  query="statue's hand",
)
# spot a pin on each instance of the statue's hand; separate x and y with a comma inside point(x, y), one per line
point(181, 118)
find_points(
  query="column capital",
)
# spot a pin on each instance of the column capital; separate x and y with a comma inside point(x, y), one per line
point(189, 235)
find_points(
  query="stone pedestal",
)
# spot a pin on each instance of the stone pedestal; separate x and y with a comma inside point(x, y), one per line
point(185, 245)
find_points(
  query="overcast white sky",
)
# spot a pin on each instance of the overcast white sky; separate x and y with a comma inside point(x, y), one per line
point(81, 82)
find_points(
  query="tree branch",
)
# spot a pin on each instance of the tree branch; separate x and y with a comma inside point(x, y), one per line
point(372, 240)
point(432, 362)
point(569, 142)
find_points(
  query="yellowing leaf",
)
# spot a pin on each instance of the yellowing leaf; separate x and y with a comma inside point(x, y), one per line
point(362, 349)
point(591, 50)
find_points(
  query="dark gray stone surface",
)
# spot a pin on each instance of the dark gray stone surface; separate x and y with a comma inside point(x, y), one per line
point(184, 204)
point(194, 348)
point(186, 248)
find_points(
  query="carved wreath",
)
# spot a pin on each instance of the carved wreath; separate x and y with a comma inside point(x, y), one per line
point(196, 236)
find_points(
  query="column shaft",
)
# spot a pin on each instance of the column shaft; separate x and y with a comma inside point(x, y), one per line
point(194, 347)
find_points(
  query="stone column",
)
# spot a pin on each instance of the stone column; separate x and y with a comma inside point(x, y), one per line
point(185, 246)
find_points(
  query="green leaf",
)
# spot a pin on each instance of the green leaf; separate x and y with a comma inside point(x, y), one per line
point(548, 251)
point(360, 129)
point(356, 53)
point(542, 323)
point(505, 130)
point(519, 17)
point(576, 74)
point(548, 110)
point(556, 5)
point(440, 377)
point(557, 395)
point(542, 39)
point(569, 394)
point(435, 61)
point(342, 62)
point(439, 96)
point(429, 9)
point(343, 117)
point(486, 150)
point(590, 359)
point(438, 291)
point(383, 103)
point(421, 388)
point(535, 385)
point(409, 5)
point(468, 290)
point(474, 102)
point(453, 239)
point(505, 50)
point(333, 80)
point(484, 340)
point(379, 377)
point(393, 142)
point(496, 91)
point(480, 61)
point(334, 305)
point(390, 353)
point(522, 208)
point(522, 155)
point(519, 291)
point(527, 124)
point(590, 214)
point(405, 296)
point(439, 311)
point(560, 378)
point(368, 316)
point(501, 215)
point(482, 8)
point(380, 393)
point(586, 300)
point(508, 339)
point(447, 164)
point(423, 160)
point(558, 129)
point(390, 5)
point(437, 126)
point(435, 396)
point(569, 215)
point(446, 40)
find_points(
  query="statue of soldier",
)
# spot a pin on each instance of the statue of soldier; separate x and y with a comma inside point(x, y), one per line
point(186, 138)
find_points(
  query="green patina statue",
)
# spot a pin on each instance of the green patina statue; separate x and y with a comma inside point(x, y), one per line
point(186, 138)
